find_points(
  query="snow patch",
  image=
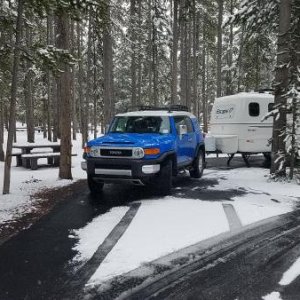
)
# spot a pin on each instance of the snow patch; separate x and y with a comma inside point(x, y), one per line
point(291, 274)
point(93, 235)
point(272, 296)
point(263, 198)
point(161, 227)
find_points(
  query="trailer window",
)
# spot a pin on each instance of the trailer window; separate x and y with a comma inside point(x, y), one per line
point(253, 109)
point(270, 107)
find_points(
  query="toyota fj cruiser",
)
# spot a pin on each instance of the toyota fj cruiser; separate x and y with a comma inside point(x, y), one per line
point(147, 146)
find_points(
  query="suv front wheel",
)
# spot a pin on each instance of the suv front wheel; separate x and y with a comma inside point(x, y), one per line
point(163, 182)
point(198, 165)
point(94, 186)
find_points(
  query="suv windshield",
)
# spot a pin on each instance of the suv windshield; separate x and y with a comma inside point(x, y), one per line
point(141, 124)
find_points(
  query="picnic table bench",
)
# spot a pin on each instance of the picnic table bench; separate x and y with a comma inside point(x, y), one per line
point(28, 147)
point(32, 158)
point(29, 159)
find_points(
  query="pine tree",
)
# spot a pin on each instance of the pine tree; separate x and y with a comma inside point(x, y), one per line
point(12, 111)
point(281, 86)
point(64, 96)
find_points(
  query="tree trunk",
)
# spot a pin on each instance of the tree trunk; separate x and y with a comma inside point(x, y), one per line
point(174, 82)
point(95, 89)
point(64, 98)
point(204, 95)
point(240, 74)
point(6, 117)
point(108, 93)
point(44, 120)
point(219, 49)
point(83, 121)
point(28, 91)
point(229, 85)
point(55, 105)
point(73, 99)
point(195, 67)
point(257, 65)
point(281, 86)
point(183, 52)
point(155, 65)
point(133, 51)
point(150, 47)
point(139, 50)
point(294, 82)
point(14, 85)
point(49, 78)
point(2, 156)
point(189, 64)
point(89, 74)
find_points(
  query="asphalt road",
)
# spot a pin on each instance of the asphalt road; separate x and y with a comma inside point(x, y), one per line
point(35, 263)
point(245, 266)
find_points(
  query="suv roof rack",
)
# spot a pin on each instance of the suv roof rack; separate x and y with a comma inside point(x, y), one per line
point(153, 108)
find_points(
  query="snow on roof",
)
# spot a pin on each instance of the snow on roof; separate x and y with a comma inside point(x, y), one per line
point(155, 113)
point(247, 96)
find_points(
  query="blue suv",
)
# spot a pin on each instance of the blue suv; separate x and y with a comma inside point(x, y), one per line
point(146, 147)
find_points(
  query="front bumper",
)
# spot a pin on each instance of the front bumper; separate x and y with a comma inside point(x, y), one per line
point(109, 169)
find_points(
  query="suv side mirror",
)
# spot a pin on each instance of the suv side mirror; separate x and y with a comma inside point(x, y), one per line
point(182, 130)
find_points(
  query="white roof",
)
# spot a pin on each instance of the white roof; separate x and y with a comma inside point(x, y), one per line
point(247, 96)
point(155, 113)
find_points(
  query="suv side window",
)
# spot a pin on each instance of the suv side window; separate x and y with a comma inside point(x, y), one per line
point(189, 124)
point(183, 120)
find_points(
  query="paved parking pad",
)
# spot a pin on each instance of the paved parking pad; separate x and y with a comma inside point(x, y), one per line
point(165, 225)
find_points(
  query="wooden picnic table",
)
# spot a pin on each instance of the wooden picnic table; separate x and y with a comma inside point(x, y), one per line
point(26, 148)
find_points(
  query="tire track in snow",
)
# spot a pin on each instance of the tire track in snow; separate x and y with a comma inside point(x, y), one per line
point(232, 217)
point(83, 275)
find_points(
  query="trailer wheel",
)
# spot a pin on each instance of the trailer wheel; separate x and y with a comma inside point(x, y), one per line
point(94, 186)
point(198, 165)
point(268, 159)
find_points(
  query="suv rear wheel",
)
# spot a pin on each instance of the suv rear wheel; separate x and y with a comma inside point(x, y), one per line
point(198, 165)
point(94, 186)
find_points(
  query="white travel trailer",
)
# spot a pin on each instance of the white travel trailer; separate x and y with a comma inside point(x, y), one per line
point(236, 124)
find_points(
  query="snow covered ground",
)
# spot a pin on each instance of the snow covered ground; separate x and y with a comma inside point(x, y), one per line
point(25, 182)
point(264, 198)
point(167, 224)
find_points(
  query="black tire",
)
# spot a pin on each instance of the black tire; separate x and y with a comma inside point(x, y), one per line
point(198, 165)
point(267, 155)
point(163, 183)
point(94, 186)
point(268, 160)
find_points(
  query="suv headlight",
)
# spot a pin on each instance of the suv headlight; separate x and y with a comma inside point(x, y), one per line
point(138, 153)
point(94, 151)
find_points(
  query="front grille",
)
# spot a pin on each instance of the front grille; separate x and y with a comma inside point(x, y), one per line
point(116, 152)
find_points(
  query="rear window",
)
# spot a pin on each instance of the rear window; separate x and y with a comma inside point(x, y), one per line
point(254, 109)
